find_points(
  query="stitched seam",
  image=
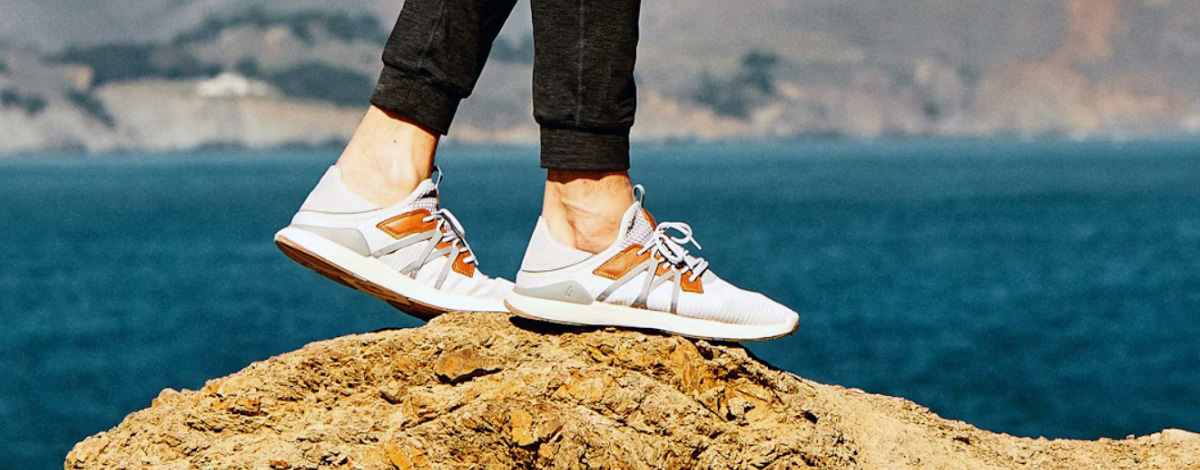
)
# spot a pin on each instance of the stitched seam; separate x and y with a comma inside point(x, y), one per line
point(464, 268)
point(579, 74)
point(428, 44)
point(383, 226)
point(600, 270)
point(427, 78)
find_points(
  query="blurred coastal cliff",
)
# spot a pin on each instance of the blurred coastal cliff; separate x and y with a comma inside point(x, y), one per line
point(184, 74)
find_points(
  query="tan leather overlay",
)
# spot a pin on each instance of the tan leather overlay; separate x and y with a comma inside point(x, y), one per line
point(696, 286)
point(407, 224)
point(650, 218)
point(463, 267)
point(689, 285)
point(460, 265)
point(414, 222)
point(663, 268)
point(622, 263)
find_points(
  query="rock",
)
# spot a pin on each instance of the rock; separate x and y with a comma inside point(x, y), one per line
point(462, 364)
point(522, 428)
point(474, 390)
point(405, 458)
point(1178, 436)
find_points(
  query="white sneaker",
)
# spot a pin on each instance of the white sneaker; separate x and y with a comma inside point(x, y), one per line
point(413, 255)
point(646, 279)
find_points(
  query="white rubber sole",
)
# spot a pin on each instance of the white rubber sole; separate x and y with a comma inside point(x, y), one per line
point(372, 276)
point(602, 314)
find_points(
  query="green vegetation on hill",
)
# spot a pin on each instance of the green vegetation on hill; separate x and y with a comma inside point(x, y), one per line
point(111, 62)
point(323, 82)
point(176, 58)
point(92, 106)
point(248, 67)
point(341, 25)
point(32, 104)
point(738, 95)
point(504, 50)
point(117, 62)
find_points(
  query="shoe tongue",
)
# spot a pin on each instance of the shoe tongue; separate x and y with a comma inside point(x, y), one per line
point(636, 226)
point(424, 197)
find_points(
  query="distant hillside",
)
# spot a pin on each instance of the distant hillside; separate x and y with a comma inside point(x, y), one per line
point(51, 25)
point(159, 74)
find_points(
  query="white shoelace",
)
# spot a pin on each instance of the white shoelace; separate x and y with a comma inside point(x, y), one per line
point(457, 235)
point(671, 248)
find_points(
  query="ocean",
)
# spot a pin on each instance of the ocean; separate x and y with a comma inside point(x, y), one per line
point(1032, 288)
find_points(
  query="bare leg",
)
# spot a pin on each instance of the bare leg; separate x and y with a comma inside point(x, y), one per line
point(387, 157)
point(583, 209)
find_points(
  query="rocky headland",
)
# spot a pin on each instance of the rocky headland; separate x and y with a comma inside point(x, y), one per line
point(472, 390)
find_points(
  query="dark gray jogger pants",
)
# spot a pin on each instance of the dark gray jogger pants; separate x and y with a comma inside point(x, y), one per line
point(584, 96)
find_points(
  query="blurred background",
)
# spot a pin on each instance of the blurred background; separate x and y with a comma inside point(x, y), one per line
point(990, 208)
point(183, 74)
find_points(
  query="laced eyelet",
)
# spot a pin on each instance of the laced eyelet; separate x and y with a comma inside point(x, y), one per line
point(446, 220)
point(670, 249)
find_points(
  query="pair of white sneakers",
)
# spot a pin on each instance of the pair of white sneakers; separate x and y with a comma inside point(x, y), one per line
point(414, 255)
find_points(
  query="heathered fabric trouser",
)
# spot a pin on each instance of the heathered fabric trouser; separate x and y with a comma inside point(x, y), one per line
point(583, 90)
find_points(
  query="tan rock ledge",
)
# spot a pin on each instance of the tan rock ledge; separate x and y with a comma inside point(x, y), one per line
point(474, 390)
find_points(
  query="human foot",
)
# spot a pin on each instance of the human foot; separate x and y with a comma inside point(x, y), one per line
point(583, 209)
point(387, 157)
point(645, 279)
point(412, 254)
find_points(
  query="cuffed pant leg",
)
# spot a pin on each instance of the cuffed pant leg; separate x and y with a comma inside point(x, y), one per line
point(418, 100)
point(584, 95)
point(434, 56)
point(590, 150)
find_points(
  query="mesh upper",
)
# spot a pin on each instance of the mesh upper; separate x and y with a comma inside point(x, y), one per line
point(724, 302)
point(720, 301)
point(428, 199)
point(425, 196)
point(638, 229)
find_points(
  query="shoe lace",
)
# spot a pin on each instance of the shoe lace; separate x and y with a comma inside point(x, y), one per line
point(672, 249)
point(448, 226)
point(451, 231)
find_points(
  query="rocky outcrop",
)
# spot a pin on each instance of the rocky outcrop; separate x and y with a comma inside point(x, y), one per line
point(474, 390)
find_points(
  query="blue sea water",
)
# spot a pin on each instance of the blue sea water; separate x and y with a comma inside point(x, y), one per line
point(1035, 288)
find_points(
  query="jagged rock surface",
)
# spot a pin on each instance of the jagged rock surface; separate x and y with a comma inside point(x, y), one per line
point(474, 390)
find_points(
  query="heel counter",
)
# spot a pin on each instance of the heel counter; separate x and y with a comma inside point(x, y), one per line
point(332, 196)
point(544, 254)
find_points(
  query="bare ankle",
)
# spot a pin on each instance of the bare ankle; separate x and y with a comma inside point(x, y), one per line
point(583, 209)
point(387, 157)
